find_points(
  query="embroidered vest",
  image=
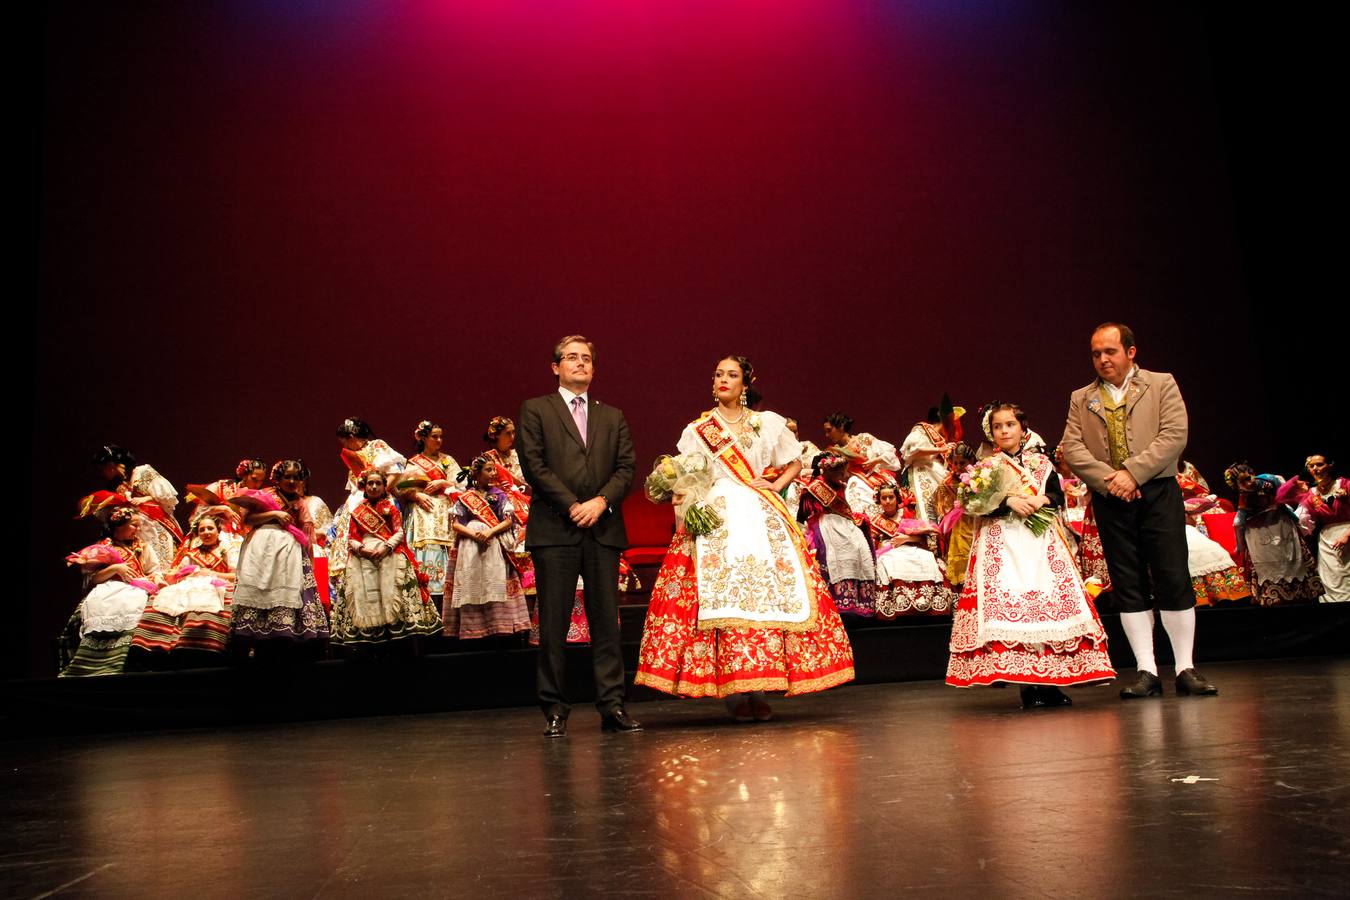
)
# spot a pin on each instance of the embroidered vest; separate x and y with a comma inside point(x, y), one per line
point(1115, 428)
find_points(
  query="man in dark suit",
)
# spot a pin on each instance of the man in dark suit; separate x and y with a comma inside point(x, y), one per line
point(578, 459)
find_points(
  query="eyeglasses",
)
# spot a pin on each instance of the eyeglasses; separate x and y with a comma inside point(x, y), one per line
point(577, 357)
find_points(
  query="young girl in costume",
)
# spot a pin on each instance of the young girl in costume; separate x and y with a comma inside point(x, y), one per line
point(486, 597)
point(500, 436)
point(383, 597)
point(910, 579)
point(1024, 616)
point(360, 450)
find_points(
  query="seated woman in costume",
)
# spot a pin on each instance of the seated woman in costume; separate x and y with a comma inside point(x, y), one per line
point(1024, 616)
point(910, 578)
point(120, 574)
point(485, 595)
point(383, 596)
point(1269, 543)
point(871, 461)
point(192, 612)
point(1215, 576)
point(275, 594)
point(740, 608)
point(428, 489)
point(839, 537)
point(150, 492)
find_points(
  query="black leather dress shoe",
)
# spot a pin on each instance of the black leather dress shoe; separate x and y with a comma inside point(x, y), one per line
point(555, 727)
point(619, 720)
point(1053, 696)
point(1145, 684)
point(1193, 683)
point(1031, 698)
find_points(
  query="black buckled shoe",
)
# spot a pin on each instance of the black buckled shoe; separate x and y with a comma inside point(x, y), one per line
point(555, 727)
point(619, 720)
point(1145, 684)
point(1192, 683)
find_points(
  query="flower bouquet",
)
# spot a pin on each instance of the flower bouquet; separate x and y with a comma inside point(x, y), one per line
point(984, 487)
point(249, 502)
point(94, 557)
point(688, 476)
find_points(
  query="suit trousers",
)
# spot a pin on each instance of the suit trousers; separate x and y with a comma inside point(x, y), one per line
point(556, 569)
point(1144, 541)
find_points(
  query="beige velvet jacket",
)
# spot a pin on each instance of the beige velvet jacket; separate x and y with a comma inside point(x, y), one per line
point(1155, 430)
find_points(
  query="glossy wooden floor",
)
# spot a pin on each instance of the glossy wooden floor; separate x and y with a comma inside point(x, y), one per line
point(872, 791)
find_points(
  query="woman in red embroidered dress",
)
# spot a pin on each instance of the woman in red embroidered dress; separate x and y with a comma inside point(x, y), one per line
point(742, 609)
point(1024, 616)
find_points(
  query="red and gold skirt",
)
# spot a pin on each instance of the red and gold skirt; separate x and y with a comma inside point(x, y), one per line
point(677, 657)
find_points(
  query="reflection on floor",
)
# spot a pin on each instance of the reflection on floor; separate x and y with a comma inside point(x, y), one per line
point(866, 791)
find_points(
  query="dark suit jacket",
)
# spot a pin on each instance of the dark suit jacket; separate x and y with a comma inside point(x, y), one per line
point(562, 470)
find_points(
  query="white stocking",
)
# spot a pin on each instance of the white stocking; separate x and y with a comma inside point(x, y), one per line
point(1180, 627)
point(1139, 632)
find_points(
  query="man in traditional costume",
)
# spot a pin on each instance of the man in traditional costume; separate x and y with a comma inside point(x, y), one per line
point(1125, 432)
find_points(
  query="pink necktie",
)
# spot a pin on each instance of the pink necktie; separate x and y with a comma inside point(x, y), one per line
point(579, 416)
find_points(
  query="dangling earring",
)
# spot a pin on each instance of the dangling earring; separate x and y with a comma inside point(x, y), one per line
point(743, 399)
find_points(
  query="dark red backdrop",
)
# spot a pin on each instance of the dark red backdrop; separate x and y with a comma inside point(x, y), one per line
point(258, 218)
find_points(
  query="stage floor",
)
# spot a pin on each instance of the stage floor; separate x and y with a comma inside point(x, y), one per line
point(865, 791)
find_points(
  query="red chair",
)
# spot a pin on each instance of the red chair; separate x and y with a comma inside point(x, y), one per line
point(650, 528)
point(1220, 528)
point(321, 582)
